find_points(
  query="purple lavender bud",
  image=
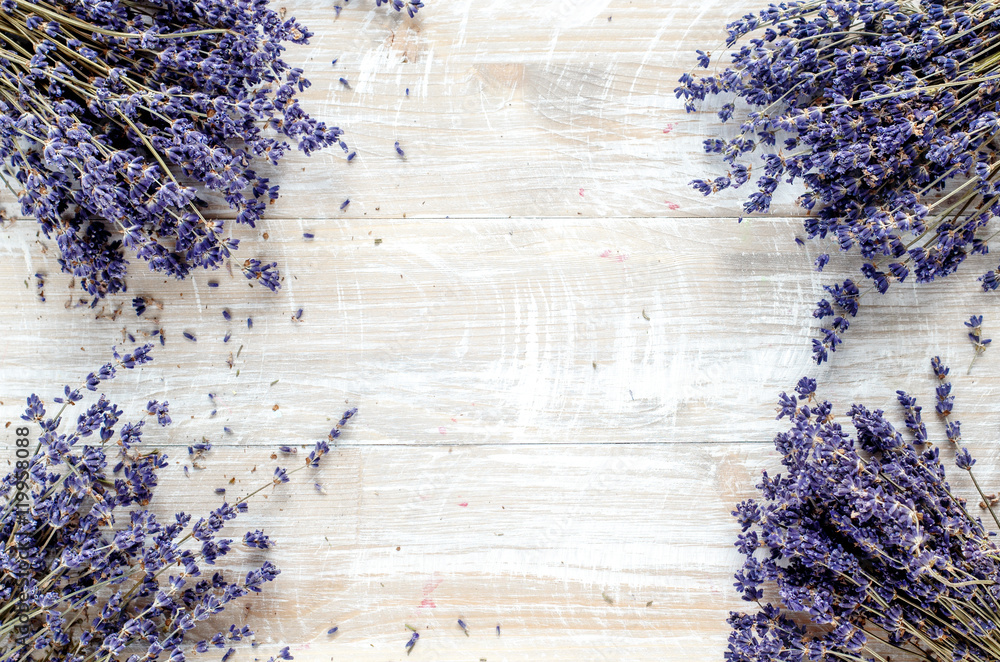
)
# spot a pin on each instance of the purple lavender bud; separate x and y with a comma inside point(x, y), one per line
point(812, 116)
point(114, 148)
point(964, 460)
point(257, 539)
point(160, 410)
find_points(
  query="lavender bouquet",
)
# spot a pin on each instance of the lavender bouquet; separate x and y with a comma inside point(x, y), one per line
point(886, 112)
point(870, 553)
point(115, 116)
point(90, 573)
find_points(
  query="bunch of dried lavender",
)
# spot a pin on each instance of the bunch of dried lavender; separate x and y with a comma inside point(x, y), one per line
point(864, 538)
point(875, 106)
point(106, 108)
point(91, 574)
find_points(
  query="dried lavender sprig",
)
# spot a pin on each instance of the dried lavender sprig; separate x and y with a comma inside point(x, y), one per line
point(104, 107)
point(979, 343)
point(878, 106)
point(90, 571)
point(864, 538)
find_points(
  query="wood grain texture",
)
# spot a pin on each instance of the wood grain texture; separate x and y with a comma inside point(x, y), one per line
point(565, 360)
point(543, 542)
point(549, 109)
point(470, 349)
point(500, 331)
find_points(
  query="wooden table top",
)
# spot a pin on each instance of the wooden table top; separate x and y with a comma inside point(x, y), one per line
point(565, 359)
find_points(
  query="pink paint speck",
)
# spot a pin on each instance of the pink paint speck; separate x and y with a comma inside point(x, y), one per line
point(428, 589)
point(464, 504)
point(581, 193)
point(672, 206)
point(620, 257)
point(668, 128)
point(442, 431)
point(454, 420)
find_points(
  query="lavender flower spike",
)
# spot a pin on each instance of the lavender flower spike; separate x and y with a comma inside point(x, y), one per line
point(116, 103)
point(91, 571)
point(884, 112)
point(860, 546)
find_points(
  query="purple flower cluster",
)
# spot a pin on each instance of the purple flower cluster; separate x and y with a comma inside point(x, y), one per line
point(90, 572)
point(411, 6)
point(874, 107)
point(863, 537)
point(116, 116)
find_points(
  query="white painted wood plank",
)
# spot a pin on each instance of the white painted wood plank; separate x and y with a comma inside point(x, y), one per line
point(501, 362)
point(548, 109)
point(545, 542)
point(502, 331)
point(578, 552)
